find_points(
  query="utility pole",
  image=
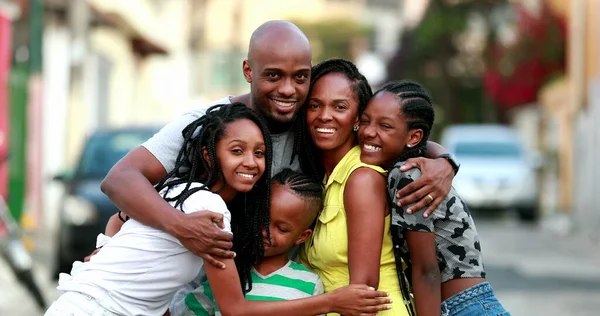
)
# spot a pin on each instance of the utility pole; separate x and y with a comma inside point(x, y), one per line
point(5, 44)
point(35, 117)
point(18, 132)
point(576, 73)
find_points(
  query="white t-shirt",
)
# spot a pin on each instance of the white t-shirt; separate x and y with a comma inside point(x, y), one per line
point(165, 144)
point(139, 270)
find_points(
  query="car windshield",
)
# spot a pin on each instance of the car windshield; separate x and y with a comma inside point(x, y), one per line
point(104, 149)
point(488, 149)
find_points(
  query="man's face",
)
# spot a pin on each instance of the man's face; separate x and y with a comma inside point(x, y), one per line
point(279, 81)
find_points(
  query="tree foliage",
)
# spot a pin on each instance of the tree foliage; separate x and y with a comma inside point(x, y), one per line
point(437, 53)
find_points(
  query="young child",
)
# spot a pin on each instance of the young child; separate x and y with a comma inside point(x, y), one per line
point(220, 166)
point(295, 202)
point(443, 252)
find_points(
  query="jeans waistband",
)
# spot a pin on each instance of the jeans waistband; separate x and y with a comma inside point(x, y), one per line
point(477, 292)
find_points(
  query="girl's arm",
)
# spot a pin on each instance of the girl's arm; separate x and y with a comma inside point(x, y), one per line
point(366, 207)
point(425, 272)
point(349, 300)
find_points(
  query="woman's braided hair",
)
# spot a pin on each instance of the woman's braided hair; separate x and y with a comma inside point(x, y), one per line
point(303, 144)
point(249, 211)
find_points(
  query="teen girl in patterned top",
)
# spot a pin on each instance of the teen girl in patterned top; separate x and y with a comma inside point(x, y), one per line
point(443, 253)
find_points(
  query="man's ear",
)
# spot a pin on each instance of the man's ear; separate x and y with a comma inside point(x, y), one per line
point(206, 156)
point(247, 71)
point(304, 236)
point(414, 137)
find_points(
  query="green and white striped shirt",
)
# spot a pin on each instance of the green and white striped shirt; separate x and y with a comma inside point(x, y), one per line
point(292, 281)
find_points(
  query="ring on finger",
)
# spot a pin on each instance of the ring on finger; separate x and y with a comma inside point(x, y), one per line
point(430, 198)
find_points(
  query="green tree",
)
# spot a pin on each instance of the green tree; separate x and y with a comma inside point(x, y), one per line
point(434, 53)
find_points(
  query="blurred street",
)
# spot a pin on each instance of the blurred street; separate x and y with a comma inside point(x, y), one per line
point(533, 271)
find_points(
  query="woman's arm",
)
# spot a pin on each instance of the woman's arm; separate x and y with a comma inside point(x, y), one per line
point(366, 207)
point(349, 300)
point(425, 272)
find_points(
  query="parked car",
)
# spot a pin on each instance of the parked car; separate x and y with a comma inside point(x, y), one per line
point(497, 171)
point(85, 210)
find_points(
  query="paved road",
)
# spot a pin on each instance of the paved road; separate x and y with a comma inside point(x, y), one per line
point(533, 271)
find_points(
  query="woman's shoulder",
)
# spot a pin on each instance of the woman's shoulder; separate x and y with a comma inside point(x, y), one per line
point(366, 174)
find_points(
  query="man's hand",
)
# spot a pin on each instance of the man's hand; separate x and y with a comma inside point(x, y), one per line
point(358, 300)
point(431, 188)
point(197, 232)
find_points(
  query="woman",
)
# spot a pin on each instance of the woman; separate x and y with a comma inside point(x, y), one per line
point(351, 243)
point(443, 252)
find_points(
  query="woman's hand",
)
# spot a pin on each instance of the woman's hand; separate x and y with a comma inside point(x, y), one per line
point(431, 188)
point(358, 300)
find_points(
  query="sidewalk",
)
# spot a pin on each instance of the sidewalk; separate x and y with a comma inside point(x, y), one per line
point(15, 300)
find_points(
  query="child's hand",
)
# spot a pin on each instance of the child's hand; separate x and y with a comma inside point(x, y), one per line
point(358, 300)
point(87, 258)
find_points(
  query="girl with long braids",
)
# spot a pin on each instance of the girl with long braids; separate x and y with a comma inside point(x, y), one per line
point(351, 243)
point(223, 166)
point(443, 252)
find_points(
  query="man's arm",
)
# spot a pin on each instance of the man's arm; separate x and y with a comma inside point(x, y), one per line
point(129, 185)
point(434, 184)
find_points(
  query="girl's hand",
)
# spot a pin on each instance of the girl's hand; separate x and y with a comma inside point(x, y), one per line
point(358, 300)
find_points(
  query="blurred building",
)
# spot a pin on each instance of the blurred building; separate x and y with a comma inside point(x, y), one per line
point(571, 114)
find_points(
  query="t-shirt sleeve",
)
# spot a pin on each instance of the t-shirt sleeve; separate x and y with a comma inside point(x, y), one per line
point(204, 200)
point(165, 144)
point(416, 222)
point(318, 287)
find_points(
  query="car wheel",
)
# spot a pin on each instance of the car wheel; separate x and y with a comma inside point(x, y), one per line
point(528, 214)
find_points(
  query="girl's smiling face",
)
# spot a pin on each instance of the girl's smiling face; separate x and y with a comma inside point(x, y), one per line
point(241, 155)
point(383, 132)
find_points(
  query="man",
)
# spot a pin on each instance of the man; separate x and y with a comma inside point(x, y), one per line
point(278, 70)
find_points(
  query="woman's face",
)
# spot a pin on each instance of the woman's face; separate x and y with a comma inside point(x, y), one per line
point(383, 132)
point(332, 113)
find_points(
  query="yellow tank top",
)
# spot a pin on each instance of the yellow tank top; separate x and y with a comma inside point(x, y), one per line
point(326, 253)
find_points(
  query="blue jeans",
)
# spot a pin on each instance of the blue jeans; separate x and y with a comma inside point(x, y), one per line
point(478, 300)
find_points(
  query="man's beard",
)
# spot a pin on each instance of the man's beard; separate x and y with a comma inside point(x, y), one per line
point(276, 125)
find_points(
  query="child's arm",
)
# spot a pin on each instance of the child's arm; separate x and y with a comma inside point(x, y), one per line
point(349, 300)
point(112, 228)
point(114, 225)
point(365, 203)
point(425, 272)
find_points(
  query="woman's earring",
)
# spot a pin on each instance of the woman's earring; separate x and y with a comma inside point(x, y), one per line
point(355, 128)
point(409, 145)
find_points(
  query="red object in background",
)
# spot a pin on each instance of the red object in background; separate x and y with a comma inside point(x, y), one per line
point(517, 73)
point(5, 41)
